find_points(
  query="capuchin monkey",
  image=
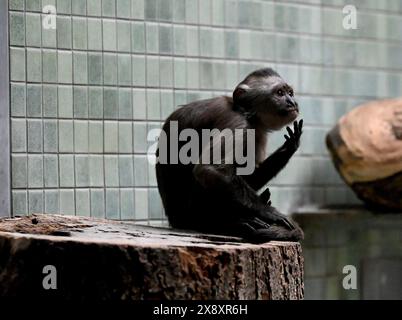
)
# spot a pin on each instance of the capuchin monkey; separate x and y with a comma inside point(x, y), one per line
point(214, 198)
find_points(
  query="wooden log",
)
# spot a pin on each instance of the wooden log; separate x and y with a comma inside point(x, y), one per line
point(100, 259)
point(366, 146)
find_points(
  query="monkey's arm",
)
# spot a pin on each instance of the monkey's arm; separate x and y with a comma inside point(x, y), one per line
point(278, 160)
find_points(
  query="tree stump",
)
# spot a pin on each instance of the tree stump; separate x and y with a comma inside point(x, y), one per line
point(366, 146)
point(100, 259)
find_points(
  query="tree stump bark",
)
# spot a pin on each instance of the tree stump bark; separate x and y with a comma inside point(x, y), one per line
point(100, 259)
point(366, 146)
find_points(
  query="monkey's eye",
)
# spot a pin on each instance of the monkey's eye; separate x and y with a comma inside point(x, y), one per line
point(281, 92)
point(291, 93)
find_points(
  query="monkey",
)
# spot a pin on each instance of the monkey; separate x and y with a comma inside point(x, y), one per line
point(213, 198)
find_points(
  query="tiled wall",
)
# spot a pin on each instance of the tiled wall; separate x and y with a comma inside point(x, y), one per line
point(84, 96)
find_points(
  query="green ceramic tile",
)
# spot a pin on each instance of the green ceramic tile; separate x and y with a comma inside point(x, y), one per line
point(192, 11)
point(67, 202)
point(35, 171)
point(97, 203)
point(18, 99)
point(231, 75)
point(165, 39)
point(80, 33)
point(138, 36)
point(123, 8)
point(109, 35)
point(80, 67)
point(82, 202)
point(17, 29)
point(95, 100)
point(96, 176)
point(139, 104)
point(64, 32)
point(17, 64)
point(66, 165)
point(127, 204)
point(141, 170)
point(16, 5)
point(81, 136)
point(49, 63)
point(111, 140)
point(153, 104)
point(192, 41)
point(51, 171)
point(110, 103)
point(34, 65)
point(82, 170)
point(109, 68)
point(151, 175)
point(65, 66)
point(50, 136)
point(151, 7)
point(112, 204)
point(65, 104)
point(49, 35)
point(179, 40)
point(33, 29)
point(179, 10)
point(52, 201)
point(140, 137)
point(109, 8)
point(124, 69)
point(231, 44)
point(18, 135)
point(218, 75)
point(126, 171)
point(79, 7)
point(19, 172)
point(35, 201)
point(166, 72)
point(287, 48)
point(141, 204)
point(155, 205)
point(231, 13)
point(80, 99)
point(95, 137)
point(193, 73)
point(111, 171)
point(95, 68)
point(34, 100)
point(125, 137)
point(205, 11)
point(152, 68)
point(165, 10)
point(94, 34)
point(64, 6)
point(167, 103)
point(66, 136)
point(138, 74)
point(218, 12)
point(179, 71)
point(125, 103)
point(94, 7)
point(20, 203)
point(152, 37)
point(137, 9)
point(123, 36)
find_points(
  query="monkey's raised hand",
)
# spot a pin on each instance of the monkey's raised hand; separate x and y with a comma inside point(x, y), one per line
point(293, 139)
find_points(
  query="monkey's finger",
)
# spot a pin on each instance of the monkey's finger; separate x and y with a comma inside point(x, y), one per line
point(269, 203)
point(259, 224)
point(295, 127)
point(286, 137)
point(290, 132)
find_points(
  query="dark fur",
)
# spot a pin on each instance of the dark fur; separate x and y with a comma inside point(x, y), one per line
point(212, 198)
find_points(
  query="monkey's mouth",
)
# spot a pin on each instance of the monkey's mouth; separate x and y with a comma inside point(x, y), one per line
point(292, 111)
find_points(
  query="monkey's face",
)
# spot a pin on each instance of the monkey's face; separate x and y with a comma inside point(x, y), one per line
point(279, 107)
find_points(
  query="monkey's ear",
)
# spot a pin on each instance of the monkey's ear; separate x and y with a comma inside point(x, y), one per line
point(239, 91)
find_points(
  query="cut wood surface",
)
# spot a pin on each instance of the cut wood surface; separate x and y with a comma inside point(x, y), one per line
point(101, 259)
point(366, 146)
